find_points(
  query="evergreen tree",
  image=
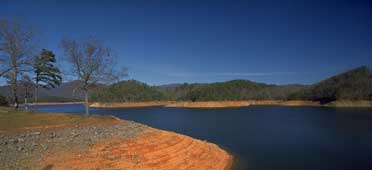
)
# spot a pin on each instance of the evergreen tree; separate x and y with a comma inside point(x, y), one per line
point(47, 75)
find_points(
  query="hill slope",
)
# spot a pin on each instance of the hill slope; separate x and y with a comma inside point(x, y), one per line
point(134, 91)
point(127, 91)
point(355, 84)
point(232, 90)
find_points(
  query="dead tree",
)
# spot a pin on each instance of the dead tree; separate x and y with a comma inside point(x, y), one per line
point(15, 49)
point(91, 63)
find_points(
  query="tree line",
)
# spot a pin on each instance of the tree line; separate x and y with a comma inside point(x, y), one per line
point(127, 91)
point(355, 84)
point(235, 90)
point(24, 66)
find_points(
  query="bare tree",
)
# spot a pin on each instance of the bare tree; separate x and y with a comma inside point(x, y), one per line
point(26, 84)
point(15, 48)
point(91, 62)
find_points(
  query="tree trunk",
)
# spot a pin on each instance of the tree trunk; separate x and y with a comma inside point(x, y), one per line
point(86, 103)
point(13, 84)
point(36, 92)
point(15, 97)
point(26, 104)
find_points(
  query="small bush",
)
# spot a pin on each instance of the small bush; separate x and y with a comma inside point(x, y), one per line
point(3, 101)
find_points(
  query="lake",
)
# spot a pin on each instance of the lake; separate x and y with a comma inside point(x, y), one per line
point(266, 137)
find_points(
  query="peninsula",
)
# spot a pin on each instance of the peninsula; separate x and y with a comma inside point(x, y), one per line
point(33, 140)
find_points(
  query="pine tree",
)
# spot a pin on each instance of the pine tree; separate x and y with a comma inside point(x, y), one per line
point(47, 74)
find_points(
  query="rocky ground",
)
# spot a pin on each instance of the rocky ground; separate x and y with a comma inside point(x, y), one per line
point(153, 150)
point(45, 141)
point(24, 150)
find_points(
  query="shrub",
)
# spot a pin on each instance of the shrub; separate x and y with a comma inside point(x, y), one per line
point(3, 101)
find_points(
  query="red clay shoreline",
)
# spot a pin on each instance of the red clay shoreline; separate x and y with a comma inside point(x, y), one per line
point(104, 142)
point(219, 104)
point(189, 104)
point(204, 104)
point(129, 104)
point(154, 149)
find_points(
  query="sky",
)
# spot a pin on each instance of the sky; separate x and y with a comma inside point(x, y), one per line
point(176, 41)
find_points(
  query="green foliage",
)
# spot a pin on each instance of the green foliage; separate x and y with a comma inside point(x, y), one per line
point(234, 90)
point(47, 75)
point(231, 90)
point(127, 91)
point(3, 101)
point(355, 84)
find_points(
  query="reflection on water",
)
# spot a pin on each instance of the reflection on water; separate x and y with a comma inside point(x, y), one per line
point(265, 137)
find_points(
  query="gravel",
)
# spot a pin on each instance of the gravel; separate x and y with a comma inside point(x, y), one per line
point(21, 151)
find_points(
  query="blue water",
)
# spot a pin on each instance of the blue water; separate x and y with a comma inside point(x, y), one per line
point(266, 137)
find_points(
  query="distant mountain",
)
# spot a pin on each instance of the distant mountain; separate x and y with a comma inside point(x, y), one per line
point(64, 93)
point(355, 84)
point(232, 90)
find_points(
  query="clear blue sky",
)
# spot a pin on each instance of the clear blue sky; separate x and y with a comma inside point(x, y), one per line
point(277, 41)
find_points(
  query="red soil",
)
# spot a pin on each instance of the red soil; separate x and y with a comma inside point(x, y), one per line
point(210, 104)
point(154, 150)
point(129, 104)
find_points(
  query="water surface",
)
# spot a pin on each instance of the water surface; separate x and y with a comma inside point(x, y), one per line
point(266, 137)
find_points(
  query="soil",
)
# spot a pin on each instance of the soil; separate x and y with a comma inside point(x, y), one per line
point(205, 104)
point(210, 104)
point(112, 144)
point(129, 104)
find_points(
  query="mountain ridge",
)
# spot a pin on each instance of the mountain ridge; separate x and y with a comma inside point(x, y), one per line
point(355, 84)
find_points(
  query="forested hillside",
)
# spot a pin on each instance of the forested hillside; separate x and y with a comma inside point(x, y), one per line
point(231, 90)
point(355, 84)
point(127, 91)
